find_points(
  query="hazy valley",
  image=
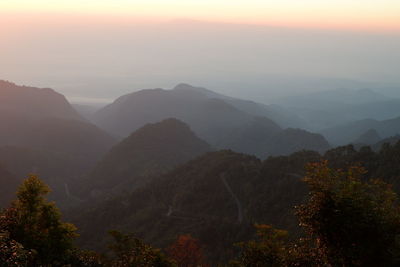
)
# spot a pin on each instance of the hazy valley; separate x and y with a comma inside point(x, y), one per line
point(164, 163)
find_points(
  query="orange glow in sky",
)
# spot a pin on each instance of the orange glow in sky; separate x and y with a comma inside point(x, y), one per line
point(351, 14)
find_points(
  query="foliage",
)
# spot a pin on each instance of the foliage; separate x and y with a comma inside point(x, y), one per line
point(86, 258)
point(348, 221)
point(192, 199)
point(131, 251)
point(36, 224)
point(267, 250)
point(186, 252)
point(353, 223)
point(12, 253)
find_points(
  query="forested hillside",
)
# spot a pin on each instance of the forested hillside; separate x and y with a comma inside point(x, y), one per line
point(218, 197)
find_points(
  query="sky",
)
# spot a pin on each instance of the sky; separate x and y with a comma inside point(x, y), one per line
point(365, 14)
point(254, 49)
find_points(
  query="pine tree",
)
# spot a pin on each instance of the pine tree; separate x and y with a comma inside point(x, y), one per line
point(36, 224)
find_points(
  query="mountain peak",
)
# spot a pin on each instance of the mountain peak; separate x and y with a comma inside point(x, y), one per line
point(191, 88)
point(166, 128)
point(150, 150)
point(35, 102)
point(185, 86)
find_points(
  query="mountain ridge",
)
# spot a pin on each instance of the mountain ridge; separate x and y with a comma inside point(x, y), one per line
point(220, 123)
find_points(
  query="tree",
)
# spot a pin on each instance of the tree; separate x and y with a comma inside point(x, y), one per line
point(186, 252)
point(36, 224)
point(130, 251)
point(353, 223)
point(12, 253)
point(269, 249)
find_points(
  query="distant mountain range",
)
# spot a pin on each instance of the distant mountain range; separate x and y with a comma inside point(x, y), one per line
point(162, 163)
point(331, 98)
point(350, 132)
point(40, 132)
point(283, 117)
point(330, 108)
point(221, 121)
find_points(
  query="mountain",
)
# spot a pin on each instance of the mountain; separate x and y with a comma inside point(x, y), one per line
point(210, 118)
point(378, 110)
point(62, 135)
point(291, 140)
point(347, 133)
point(258, 139)
point(223, 122)
point(330, 108)
point(390, 140)
point(218, 197)
point(59, 150)
point(280, 115)
point(40, 131)
point(331, 98)
point(151, 150)
point(85, 110)
point(370, 137)
point(44, 119)
point(34, 103)
point(8, 186)
point(60, 171)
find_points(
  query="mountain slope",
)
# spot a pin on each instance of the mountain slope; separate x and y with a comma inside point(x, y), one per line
point(39, 131)
point(390, 140)
point(153, 149)
point(55, 134)
point(327, 109)
point(8, 186)
point(219, 196)
point(331, 99)
point(347, 133)
point(370, 137)
point(291, 140)
point(209, 118)
point(58, 150)
point(34, 103)
point(42, 118)
point(280, 115)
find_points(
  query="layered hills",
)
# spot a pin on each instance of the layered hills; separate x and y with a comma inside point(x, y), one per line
point(219, 196)
point(347, 133)
point(223, 122)
point(216, 197)
point(326, 109)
